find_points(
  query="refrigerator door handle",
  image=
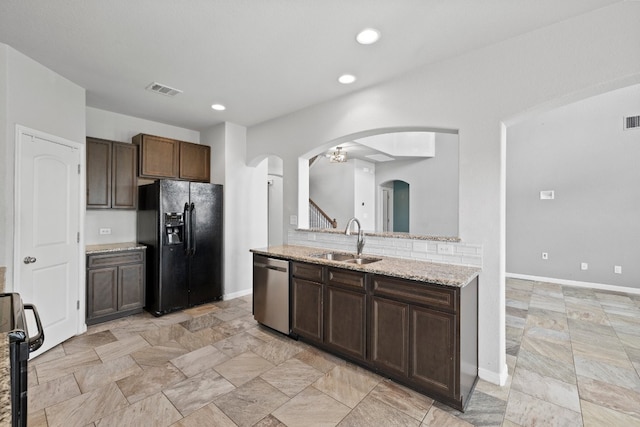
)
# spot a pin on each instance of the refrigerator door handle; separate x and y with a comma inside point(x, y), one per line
point(187, 229)
point(192, 224)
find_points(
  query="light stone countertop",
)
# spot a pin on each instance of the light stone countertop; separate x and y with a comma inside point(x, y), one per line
point(385, 234)
point(422, 271)
point(113, 247)
point(5, 381)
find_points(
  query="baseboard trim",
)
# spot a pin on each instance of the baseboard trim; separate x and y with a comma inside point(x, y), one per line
point(576, 283)
point(498, 378)
point(237, 294)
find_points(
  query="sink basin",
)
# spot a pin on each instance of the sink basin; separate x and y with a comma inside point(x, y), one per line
point(347, 258)
point(361, 260)
point(333, 256)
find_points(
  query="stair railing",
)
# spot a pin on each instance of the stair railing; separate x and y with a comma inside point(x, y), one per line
point(318, 218)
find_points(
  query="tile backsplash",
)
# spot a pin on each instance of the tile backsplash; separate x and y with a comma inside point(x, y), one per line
point(457, 253)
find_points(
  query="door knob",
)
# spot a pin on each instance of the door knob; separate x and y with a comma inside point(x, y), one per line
point(29, 260)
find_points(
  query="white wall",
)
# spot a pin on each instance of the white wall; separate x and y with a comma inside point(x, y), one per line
point(118, 127)
point(38, 98)
point(331, 188)
point(433, 186)
point(340, 189)
point(364, 193)
point(582, 153)
point(245, 205)
point(474, 93)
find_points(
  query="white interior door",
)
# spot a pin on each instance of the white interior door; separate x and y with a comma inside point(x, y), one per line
point(47, 232)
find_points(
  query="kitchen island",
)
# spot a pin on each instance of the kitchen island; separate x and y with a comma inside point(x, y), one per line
point(413, 321)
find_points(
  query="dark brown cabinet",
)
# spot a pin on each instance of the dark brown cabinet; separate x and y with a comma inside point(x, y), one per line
point(426, 336)
point(195, 162)
point(345, 314)
point(390, 335)
point(115, 284)
point(111, 174)
point(306, 301)
point(161, 157)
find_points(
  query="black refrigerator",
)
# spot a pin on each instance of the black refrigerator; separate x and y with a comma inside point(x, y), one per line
point(180, 222)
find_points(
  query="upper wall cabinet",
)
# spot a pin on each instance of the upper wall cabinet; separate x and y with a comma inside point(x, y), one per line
point(111, 174)
point(161, 157)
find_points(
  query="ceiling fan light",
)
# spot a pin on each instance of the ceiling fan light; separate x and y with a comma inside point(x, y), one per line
point(338, 156)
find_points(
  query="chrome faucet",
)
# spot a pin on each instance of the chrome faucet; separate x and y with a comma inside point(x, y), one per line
point(360, 244)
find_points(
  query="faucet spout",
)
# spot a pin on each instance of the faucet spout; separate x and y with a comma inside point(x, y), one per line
point(360, 242)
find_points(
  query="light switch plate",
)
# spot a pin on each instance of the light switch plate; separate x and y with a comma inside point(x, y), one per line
point(547, 195)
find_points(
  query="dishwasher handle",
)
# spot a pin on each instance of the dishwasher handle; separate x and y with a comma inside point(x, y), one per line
point(270, 267)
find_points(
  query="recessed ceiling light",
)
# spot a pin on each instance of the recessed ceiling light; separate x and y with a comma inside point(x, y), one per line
point(368, 36)
point(347, 79)
point(218, 107)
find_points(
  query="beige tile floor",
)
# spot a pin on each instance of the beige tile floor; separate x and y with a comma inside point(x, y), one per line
point(573, 356)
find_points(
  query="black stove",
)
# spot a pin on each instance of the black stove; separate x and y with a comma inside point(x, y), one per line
point(13, 323)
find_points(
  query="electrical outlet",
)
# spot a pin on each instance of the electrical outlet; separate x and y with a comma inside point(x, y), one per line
point(105, 231)
point(444, 249)
point(617, 269)
point(545, 255)
point(584, 266)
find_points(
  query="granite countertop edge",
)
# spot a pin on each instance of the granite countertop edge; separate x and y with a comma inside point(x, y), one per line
point(388, 234)
point(422, 271)
point(5, 381)
point(113, 247)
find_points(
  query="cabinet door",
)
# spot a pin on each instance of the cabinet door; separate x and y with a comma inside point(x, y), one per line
point(307, 309)
point(98, 173)
point(195, 162)
point(158, 157)
point(432, 349)
point(102, 292)
point(124, 189)
point(130, 286)
point(390, 335)
point(345, 319)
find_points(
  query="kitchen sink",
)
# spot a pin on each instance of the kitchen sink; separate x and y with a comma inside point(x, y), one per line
point(344, 257)
point(361, 260)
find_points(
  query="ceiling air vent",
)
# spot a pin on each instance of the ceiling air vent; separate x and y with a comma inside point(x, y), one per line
point(163, 89)
point(632, 122)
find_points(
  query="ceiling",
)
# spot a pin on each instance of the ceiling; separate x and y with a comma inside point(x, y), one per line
point(260, 58)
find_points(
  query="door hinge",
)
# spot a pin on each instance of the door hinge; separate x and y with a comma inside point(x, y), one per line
point(78, 237)
point(78, 168)
point(78, 305)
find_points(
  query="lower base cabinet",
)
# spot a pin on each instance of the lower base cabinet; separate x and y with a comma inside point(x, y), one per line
point(115, 285)
point(422, 335)
point(390, 336)
point(345, 314)
point(307, 309)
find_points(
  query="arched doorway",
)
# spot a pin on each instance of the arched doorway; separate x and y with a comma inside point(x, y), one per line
point(395, 206)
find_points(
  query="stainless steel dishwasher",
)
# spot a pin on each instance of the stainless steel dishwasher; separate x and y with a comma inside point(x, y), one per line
point(271, 292)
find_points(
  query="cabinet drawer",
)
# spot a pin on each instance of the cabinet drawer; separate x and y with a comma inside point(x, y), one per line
point(347, 278)
point(415, 293)
point(307, 271)
point(116, 258)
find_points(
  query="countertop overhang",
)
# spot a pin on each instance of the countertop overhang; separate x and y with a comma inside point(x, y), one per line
point(421, 271)
point(113, 247)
